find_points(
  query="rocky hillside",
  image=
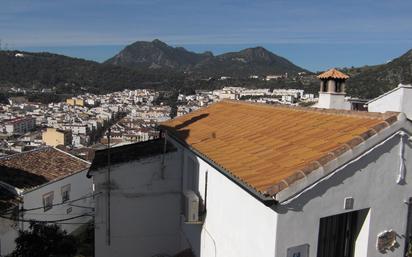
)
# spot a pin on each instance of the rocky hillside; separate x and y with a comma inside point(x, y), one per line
point(369, 82)
point(158, 55)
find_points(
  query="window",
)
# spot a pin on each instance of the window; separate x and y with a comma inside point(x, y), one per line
point(338, 86)
point(324, 85)
point(48, 201)
point(65, 193)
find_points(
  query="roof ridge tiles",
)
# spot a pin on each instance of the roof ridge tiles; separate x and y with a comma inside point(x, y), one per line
point(349, 113)
point(42, 148)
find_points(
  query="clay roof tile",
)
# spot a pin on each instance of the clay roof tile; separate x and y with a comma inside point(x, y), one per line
point(269, 147)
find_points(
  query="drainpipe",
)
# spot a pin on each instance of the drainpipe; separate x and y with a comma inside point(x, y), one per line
point(402, 171)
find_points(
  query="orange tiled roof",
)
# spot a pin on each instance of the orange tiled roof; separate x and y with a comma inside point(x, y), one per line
point(269, 147)
point(334, 74)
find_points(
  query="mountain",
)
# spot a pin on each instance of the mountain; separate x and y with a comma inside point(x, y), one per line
point(158, 55)
point(66, 74)
point(250, 61)
point(165, 67)
point(372, 81)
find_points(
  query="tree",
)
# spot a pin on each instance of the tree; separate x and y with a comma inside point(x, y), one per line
point(42, 240)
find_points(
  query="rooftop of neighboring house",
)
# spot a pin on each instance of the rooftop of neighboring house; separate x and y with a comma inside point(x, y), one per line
point(58, 130)
point(17, 120)
point(33, 168)
point(269, 147)
point(130, 152)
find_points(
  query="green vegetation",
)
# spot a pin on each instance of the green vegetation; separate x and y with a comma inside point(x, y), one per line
point(165, 68)
point(44, 240)
point(65, 75)
point(372, 81)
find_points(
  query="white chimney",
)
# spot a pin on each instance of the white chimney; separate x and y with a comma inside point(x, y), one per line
point(332, 90)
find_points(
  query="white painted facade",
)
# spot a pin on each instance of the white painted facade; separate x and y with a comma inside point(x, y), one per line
point(371, 182)
point(80, 202)
point(81, 194)
point(236, 223)
point(396, 100)
point(20, 125)
point(333, 101)
point(8, 232)
point(145, 209)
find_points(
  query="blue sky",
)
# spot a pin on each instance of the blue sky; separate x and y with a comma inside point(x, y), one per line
point(313, 34)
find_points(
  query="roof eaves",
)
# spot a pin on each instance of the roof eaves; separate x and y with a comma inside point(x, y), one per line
point(316, 170)
point(28, 190)
point(73, 156)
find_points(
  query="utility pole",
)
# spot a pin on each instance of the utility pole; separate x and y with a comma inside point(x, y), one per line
point(108, 184)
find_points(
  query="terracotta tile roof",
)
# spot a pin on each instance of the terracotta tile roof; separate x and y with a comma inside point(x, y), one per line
point(36, 167)
point(334, 74)
point(269, 147)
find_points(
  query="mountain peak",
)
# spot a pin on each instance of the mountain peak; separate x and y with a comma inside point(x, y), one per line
point(159, 42)
point(157, 54)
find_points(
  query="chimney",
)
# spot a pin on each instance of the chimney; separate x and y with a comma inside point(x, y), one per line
point(333, 90)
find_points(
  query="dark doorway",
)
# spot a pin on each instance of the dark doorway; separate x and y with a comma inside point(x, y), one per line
point(338, 233)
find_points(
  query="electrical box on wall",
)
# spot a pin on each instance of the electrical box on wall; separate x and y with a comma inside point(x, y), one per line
point(191, 206)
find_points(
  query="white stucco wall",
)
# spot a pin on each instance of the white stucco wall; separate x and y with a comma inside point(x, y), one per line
point(81, 187)
point(332, 101)
point(145, 209)
point(236, 224)
point(8, 232)
point(371, 181)
point(398, 100)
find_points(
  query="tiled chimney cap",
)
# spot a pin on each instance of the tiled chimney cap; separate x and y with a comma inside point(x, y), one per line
point(334, 74)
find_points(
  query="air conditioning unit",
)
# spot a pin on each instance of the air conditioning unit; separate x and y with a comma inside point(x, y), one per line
point(191, 206)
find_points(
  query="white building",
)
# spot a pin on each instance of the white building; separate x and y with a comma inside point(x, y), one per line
point(148, 196)
point(259, 180)
point(274, 77)
point(77, 129)
point(397, 100)
point(50, 186)
point(20, 125)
